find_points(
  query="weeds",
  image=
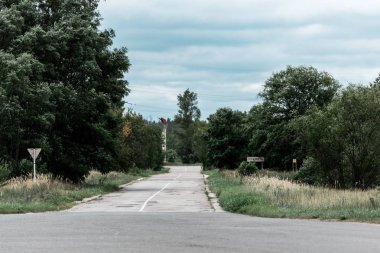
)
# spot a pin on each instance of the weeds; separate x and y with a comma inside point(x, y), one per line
point(262, 195)
point(20, 195)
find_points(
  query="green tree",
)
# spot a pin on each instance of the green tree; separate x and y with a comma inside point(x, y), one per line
point(142, 143)
point(188, 113)
point(200, 142)
point(287, 95)
point(172, 138)
point(344, 138)
point(70, 59)
point(24, 100)
point(226, 138)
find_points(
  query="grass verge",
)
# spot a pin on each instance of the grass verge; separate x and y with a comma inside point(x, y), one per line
point(21, 195)
point(265, 196)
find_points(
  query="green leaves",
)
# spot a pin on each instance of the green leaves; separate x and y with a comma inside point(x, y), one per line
point(60, 84)
point(188, 114)
point(142, 146)
point(287, 95)
point(226, 138)
point(344, 137)
point(290, 93)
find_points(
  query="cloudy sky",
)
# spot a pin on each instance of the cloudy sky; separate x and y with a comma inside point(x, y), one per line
point(225, 50)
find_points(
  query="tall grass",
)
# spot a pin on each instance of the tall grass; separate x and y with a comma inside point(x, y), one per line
point(20, 195)
point(263, 195)
point(287, 193)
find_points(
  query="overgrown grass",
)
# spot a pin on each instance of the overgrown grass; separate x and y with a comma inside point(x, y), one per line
point(21, 195)
point(266, 196)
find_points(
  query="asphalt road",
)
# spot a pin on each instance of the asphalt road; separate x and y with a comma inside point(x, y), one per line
point(112, 227)
point(182, 190)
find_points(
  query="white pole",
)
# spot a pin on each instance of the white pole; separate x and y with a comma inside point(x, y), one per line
point(165, 139)
point(34, 170)
point(34, 166)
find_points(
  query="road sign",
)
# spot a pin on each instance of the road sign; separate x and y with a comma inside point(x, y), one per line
point(34, 152)
point(255, 159)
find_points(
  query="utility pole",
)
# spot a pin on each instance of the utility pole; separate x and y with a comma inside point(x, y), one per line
point(164, 137)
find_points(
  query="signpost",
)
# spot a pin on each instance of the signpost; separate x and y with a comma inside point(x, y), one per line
point(256, 160)
point(294, 165)
point(34, 152)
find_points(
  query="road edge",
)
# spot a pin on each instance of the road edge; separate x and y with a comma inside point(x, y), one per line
point(86, 200)
point(213, 199)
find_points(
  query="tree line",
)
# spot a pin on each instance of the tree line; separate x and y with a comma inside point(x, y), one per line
point(305, 114)
point(61, 89)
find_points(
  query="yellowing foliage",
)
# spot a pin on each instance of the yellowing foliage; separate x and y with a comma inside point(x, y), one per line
point(127, 130)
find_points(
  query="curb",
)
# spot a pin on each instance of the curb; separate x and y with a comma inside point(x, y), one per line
point(86, 200)
point(212, 197)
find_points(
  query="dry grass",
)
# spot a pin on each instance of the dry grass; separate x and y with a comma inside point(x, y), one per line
point(271, 196)
point(20, 195)
point(286, 193)
point(46, 182)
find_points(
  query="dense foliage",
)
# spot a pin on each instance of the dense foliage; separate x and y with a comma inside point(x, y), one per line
point(287, 95)
point(333, 133)
point(188, 114)
point(61, 86)
point(246, 169)
point(344, 138)
point(226, 138)
point(142, 143)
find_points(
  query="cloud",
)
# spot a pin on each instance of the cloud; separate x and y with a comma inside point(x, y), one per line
point(253, 88)
point(226, 50)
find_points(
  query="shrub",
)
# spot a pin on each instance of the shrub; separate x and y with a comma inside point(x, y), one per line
point(171, 155)
point(310, 172)
point(246, 169)
point(5, 171)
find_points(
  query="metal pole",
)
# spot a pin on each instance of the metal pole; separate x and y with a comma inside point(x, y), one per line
point(34, 170)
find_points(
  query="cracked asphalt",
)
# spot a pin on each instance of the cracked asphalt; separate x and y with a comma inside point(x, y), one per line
point(171, 213)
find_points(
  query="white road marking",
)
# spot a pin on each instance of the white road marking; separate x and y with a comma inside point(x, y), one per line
point(151, 197)
point(154, 195)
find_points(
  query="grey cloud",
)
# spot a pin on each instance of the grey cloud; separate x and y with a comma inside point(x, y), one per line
point(218, 47)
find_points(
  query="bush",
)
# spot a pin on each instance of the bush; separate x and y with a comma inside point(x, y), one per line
point(5, 171)
point(246, 168)
point(171, 155)
point(310, 172)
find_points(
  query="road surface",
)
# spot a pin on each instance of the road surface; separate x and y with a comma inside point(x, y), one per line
point(182, 190)
point(170, 213)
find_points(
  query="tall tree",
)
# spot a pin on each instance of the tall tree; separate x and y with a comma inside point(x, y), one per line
point(188, 113)
point(226, 138)
point(291, 92)
point(142, 143)
point(200, 141)
point(287, 95)
point(83, 79)
point(344, 138)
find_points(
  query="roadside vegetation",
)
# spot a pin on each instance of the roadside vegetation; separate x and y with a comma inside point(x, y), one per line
point(271, 196)
point(21, 195)
point(62, 89)
point(332, 132)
